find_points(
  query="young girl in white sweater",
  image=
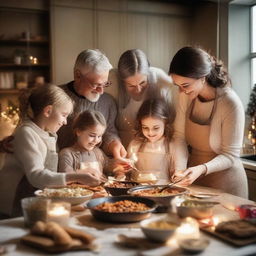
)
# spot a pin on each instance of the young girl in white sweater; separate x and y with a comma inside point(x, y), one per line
point(152, 148)
point(33, 164)
point(85, 156)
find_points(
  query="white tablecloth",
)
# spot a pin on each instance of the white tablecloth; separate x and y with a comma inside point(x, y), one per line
point(12, 230)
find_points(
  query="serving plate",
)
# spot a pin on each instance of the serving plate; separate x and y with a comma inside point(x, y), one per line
point(73, 200)
point(120, 217)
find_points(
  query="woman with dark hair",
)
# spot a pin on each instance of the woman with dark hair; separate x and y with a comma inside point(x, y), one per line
point(137, 81)
point(210, 120)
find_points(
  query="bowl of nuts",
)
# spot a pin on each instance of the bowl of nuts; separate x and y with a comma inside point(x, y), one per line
point(119, 188)
point(121, 209)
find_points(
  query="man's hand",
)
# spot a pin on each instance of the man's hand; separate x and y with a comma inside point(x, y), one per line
point(117, 149)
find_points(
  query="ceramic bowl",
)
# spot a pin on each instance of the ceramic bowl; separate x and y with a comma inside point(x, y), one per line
point(196, 209)
point(56, 194)
point(158, 229)
point(120, 217)
point(119, 188)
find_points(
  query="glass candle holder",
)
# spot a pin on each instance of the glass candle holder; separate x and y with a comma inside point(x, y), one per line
point(59, 212)
point(189, 229)
point(34, 209)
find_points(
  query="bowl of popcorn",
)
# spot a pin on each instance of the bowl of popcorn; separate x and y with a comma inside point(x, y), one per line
point(72, 195)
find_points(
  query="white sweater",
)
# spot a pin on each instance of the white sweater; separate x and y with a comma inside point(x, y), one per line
point(226, 131)
point(29, 158)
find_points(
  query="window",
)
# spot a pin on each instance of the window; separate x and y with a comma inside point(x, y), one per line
point(253, 47)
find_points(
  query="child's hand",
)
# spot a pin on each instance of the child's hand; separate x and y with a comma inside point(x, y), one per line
point(94, 172)
point(83, 178)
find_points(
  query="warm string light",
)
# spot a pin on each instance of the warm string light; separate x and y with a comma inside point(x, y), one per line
point(11, 114)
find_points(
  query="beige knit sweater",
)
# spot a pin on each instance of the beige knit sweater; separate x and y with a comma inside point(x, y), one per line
point(31, 144)
point(226, 132)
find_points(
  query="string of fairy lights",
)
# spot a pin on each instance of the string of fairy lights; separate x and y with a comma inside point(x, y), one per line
point(10, 114)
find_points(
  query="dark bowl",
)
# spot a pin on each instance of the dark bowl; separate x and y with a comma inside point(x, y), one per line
point(163, 202)
point(119, 191)
point(121, 217)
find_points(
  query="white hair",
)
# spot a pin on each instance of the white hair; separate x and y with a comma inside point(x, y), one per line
point(92, 61)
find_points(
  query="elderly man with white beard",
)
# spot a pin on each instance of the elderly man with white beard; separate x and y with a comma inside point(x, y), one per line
point(91, 72)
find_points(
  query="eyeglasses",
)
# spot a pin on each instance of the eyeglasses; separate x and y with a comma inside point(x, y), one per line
point(95, 86)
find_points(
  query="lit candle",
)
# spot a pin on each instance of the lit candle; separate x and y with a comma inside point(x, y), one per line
point(189, 229)
point(35, 61)
point(59, 212)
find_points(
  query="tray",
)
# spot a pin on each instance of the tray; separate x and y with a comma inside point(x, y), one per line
point(239, 242)
point(47, 244)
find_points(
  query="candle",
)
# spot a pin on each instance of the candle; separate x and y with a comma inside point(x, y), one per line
point(189, 229)
point(35, 61)
point(59, 212)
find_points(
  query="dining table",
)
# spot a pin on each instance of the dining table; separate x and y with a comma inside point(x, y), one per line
point(107, 234)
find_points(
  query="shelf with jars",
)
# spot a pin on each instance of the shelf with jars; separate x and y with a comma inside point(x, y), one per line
point(24, 46)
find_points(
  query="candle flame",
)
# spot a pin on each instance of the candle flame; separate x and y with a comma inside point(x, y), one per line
point(58, 210)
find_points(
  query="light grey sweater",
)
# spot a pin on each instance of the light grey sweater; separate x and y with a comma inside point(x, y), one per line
point(106, 105)
point(35, 158)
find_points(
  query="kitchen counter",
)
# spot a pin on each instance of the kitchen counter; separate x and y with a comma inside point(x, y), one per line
point(11, 230)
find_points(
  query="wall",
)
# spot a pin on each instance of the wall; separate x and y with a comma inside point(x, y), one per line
point(114, 26)
point(239, 49)
point(204, 25)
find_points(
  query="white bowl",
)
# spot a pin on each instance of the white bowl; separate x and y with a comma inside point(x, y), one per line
point(73, 200)
point(157, 234)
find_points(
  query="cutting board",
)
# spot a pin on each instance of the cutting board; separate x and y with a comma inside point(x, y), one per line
point(47, 244)
point(230, 239)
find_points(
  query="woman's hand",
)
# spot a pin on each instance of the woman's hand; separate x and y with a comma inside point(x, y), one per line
point(189, 175)
point(117, 149)
point(121, 167)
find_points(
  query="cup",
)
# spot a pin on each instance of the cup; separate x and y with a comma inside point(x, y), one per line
point(34, 209)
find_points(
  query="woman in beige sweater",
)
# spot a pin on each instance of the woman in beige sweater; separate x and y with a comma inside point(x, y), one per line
point(210, 120)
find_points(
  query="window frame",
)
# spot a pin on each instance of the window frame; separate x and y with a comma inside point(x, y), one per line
point(253, 45)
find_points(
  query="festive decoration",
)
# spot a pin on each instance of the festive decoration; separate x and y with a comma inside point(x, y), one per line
point(251, 108)
point(251, 111)
point(10, 114)
point(9, 119)
point(252, 132)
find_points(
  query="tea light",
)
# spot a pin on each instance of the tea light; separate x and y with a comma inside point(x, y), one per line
point(59, 212)
point(189, 229)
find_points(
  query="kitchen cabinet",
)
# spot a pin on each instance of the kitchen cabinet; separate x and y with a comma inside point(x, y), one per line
point(24, 46)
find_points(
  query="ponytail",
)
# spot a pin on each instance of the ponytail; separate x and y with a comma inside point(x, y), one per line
point(33, 101)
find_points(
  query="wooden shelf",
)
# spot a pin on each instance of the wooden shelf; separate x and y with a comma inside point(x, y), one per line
point(23, 66)
point(9, 91)
point(24, 42)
